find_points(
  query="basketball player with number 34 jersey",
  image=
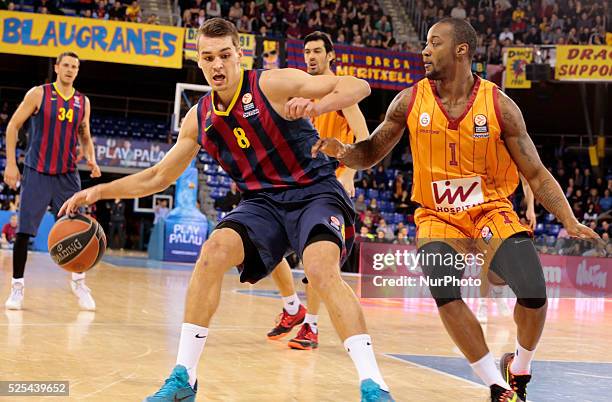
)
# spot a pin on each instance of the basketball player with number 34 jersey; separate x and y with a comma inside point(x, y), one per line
point(59, 120)
point(469, 143)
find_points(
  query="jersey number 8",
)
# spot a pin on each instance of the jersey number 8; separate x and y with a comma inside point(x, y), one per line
point(241, 138)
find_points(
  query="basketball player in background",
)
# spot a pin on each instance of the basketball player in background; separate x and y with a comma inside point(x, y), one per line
point(467, 140)
point(59, 120)
point(256, 125)
point(488, 289)
point(347, 125)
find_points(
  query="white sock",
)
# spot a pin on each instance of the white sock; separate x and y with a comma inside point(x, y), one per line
point(521, 364)
point(193, 338)
point(292, 304)
point(311, 319)
point(359, 347)
point(487, 371)
point(78, 277)
point(20, 280)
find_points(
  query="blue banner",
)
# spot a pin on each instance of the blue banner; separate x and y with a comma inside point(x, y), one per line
point(186, 228)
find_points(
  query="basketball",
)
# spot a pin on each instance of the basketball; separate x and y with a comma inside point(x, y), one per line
point(77, 243)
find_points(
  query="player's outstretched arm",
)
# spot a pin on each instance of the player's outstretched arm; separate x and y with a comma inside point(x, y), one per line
point(26, 108)
point(369, 152)
point(87, 146)
point(291, 92)
point(529, 202)
point(544, 186)
point(358, 126)
point(148, 181)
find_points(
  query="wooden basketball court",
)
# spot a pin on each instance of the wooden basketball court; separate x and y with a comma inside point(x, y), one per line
point(125, 350)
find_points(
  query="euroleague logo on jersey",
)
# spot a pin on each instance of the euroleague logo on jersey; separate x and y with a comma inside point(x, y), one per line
point(248, 106)
point(481, 128)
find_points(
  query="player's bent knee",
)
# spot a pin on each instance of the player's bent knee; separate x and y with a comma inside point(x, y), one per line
point(532, 303)
point(436, 272)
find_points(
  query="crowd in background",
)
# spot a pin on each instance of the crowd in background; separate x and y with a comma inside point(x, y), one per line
point(523, 22)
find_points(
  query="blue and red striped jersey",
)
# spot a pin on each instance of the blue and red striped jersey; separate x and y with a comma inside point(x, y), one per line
point(257, 147)
point(53, 132)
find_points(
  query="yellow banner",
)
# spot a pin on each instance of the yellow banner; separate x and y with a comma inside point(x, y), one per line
point(516, 66)
point(92, 39)
point(609, 38)
point(584, 63)
point(247, 43)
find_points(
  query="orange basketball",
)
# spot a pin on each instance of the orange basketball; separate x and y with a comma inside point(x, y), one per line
point(76, 243)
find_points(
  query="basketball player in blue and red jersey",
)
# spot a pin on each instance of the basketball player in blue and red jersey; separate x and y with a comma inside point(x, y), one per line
point(462, 130)
point(59, 120)
point(347, 125)
point(256, 124)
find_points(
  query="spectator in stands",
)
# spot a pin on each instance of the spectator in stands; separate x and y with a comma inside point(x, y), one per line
point(360, 205)
point(117, 12)
point(235, 12)
point(201, 17)
point(605, 203)
point(101, 12)
point(373, 207)
point(382, 225)
point(380, 237)
point(402, 237)
point(244, 25)
point(153, 19)
point(9, 232)
point(590, 214)
point(605, 228)
point(403, 203)
point(230, 200)
point(380, 177)
point(133, 13)
point(367, 219)
point(532, 38)
point(365, 235)
point(383, 25)
point(268, 18)
point(213, 9)
point(459, 11)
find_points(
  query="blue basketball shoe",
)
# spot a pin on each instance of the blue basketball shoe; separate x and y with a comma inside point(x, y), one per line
point(371, 392)
point(176, 388)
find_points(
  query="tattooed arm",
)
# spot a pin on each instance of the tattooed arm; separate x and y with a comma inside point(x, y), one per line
point(544, 186)
point(86, 143)
point(372, 150)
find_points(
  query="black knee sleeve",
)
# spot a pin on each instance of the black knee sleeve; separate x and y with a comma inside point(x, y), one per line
point(20, 254)
point(518, 263)
point(435, 271)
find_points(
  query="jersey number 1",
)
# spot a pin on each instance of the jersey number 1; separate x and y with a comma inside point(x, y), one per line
point(453, 150)
point(63, 115)
point(241, 138)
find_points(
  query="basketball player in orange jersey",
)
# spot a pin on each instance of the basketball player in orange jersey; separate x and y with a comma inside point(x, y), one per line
point(468, 139)
point(59, 119)
point(347, 125)
point(256, 124)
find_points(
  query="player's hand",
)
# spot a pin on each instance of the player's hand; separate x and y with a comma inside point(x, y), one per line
point(95, 169)
point(578, 230)
point(347, 179)
point(298, 108)
point(11, 175)
point(531, 218)
point(330, 147)
point(85, 197)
